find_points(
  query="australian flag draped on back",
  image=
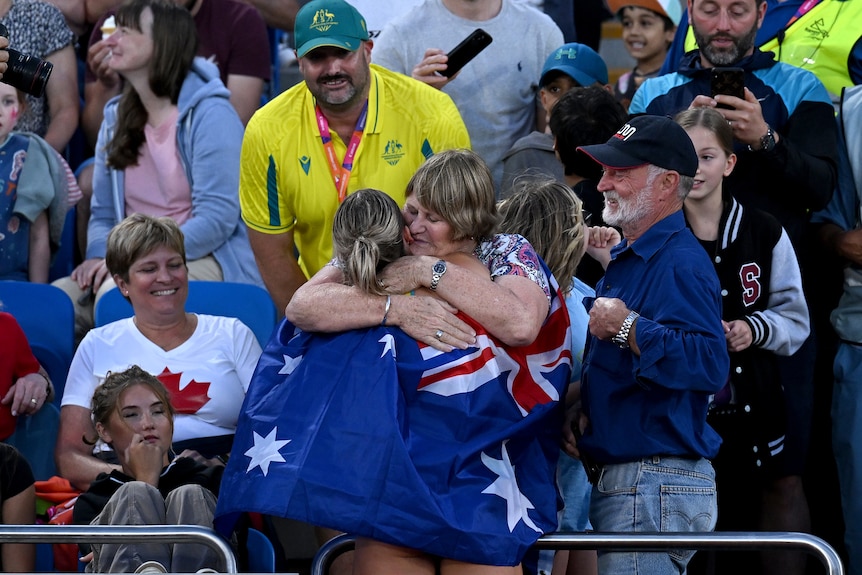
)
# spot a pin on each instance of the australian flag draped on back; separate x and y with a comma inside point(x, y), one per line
point(374, 434)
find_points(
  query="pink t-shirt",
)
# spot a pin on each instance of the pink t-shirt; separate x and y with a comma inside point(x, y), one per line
point(157, 185)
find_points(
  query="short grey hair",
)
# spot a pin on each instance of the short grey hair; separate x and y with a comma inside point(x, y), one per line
point(685, 182)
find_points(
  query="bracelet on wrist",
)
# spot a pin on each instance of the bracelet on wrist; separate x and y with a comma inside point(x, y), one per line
point(622, 336)
point(47, 381)
point(386, 309)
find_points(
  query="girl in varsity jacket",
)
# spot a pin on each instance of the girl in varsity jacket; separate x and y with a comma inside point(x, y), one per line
point(764, 315)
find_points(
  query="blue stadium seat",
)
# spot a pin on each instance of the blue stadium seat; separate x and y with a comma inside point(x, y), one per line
point(261, 553)
point(64, 260)
point(47, 317)
point(35, 437)
point(273, 87)
point(249, 303)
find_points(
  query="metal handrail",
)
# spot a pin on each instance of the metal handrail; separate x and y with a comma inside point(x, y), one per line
point(643, 542)
point(119, 534)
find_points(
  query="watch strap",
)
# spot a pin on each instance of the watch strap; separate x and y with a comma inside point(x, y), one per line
point(622, 336)
point(437, 272)
point(767, 141)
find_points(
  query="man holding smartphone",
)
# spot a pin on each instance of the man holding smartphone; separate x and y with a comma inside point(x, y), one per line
point(495, 91)
point(785, 140)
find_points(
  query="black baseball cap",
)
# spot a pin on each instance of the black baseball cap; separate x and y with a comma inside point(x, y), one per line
point(656, 140)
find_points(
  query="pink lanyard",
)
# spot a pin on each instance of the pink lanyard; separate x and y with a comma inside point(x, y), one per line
point(806, 6)
point(341, 174)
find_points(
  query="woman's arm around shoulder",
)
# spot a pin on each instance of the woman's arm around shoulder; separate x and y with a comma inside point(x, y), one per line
point(512, 308)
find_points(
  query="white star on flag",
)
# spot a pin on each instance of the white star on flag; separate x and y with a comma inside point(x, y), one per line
point(506, 486)
point(265, 451)
point(290, 364)
point(388, 342)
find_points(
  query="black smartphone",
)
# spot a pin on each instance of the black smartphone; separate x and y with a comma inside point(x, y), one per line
point(729, 81)
point(468, 49)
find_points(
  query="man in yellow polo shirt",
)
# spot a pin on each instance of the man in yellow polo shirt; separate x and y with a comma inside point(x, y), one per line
point(350, 125)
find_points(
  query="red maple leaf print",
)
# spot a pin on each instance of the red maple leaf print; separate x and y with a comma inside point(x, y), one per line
point(188, 400)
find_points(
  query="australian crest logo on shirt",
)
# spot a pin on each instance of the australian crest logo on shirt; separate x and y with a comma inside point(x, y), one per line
point(323, 20)
point(393, 152)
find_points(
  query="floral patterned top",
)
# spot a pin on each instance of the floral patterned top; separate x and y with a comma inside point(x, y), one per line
point(36, 28)
point(512, 255)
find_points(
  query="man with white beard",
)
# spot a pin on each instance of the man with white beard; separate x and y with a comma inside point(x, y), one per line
point(655, 354)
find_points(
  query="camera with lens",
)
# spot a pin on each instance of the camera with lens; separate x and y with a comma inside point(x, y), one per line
point(27, 73)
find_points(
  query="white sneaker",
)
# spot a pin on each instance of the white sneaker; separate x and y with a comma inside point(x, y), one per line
point(151, 567)
point(206, 570)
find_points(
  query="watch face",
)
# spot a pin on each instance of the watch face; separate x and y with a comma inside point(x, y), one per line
point(439, 267)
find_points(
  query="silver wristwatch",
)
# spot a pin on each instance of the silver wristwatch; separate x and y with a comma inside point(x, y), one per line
point(436, 273)
point(622, 337)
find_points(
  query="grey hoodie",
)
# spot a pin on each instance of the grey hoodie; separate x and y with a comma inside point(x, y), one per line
point(209, 139)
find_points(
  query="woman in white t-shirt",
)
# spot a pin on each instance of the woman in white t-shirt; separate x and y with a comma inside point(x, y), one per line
point(206, 362)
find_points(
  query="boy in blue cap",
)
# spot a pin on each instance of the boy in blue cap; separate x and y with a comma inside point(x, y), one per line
point(570, 66)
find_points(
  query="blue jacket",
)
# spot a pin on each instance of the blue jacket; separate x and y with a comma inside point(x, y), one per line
point(795, 178)
point(209, 138)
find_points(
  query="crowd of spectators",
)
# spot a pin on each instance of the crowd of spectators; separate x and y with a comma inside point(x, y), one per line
point(160, 129)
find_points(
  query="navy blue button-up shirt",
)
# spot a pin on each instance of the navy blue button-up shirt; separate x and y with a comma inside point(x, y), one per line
point(656, 404)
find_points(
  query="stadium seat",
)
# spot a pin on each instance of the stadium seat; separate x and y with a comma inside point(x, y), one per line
point(249, 303)
point(273, 87)
point(64, 260)
point(35, 437)
point(261, 553)
point(47, 317)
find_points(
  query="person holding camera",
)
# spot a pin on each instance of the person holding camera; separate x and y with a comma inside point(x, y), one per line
point(39, 30)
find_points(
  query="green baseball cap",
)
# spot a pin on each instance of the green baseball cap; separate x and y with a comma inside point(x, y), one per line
point(328, 23)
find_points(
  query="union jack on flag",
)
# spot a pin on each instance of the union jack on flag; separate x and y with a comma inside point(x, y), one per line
point(371, 433)
point(525, 370)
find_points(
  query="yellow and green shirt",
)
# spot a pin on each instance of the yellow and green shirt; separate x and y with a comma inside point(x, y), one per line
point(285, 179)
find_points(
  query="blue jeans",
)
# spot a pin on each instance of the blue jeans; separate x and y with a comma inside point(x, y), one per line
point(654, 494)
point(846, 427)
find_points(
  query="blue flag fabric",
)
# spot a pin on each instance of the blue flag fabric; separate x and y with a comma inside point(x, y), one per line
point(371, 433)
